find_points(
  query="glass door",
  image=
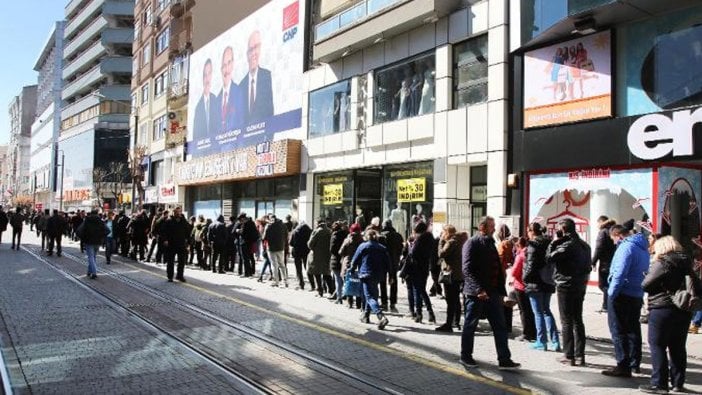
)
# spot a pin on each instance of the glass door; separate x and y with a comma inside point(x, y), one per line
point(264, 207)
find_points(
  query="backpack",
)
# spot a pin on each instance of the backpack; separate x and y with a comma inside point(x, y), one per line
point(688, 298)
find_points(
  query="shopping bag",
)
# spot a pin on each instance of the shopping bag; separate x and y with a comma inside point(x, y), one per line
point(352, 285)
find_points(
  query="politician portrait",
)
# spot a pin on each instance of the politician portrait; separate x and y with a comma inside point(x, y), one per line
point(208, 120)
point(232, 111)
point(256, 85)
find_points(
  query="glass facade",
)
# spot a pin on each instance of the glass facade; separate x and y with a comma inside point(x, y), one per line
point(537, 16)
point(470, 72)
point(408, 195)
point(330, 109)
point(405, 90)
point(79, 161)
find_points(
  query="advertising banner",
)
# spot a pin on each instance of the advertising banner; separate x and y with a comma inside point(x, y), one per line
point(246, 84)
point(411, 190)
point(568, 82)
point(333, 194)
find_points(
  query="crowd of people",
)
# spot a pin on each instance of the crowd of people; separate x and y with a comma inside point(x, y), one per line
point(479, 277)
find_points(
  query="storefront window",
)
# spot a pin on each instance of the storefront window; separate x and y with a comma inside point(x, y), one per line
point(405, 90)
point(478, 195)
point(334, 196)
point(408, 195)
point(470, 72)
point(330, 109)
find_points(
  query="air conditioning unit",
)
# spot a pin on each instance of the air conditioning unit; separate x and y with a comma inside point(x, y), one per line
point(156, 22)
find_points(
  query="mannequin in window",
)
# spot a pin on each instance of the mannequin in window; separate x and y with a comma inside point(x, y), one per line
point(404, 95)
point(344, 109)
point(427, 103)
point(418, 216)
point(360, 218)
point(416, 93)
point(398, 216)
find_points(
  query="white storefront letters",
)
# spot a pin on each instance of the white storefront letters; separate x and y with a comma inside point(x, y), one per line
point(663, 135)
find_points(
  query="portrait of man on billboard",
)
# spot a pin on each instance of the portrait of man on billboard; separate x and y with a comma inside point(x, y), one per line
point(208, 119)
point(232, 111)
point(256, 85)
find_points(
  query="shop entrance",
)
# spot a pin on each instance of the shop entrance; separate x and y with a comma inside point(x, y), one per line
point(264, 207)
point(368, 195)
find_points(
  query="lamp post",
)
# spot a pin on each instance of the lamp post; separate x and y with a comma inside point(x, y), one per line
point(63, 170)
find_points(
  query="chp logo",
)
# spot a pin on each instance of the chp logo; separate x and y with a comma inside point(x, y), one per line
point(291, 18)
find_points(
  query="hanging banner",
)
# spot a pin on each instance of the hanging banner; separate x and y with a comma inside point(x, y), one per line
point(411, 190)
point(333, 194)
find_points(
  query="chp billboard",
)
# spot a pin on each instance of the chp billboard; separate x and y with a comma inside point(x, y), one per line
point(246, 84)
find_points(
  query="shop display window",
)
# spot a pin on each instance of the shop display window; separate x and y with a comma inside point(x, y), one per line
point(330, 109)
point(405, 90)
point(470, 82)
point(333, 197)
point(408, 195)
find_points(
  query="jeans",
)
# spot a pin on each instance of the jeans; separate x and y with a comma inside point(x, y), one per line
point(266, 264)
point(667, 329)
point(300, 263)
point(279, 267)
point(453, 303)
point(625, 328)
point(493, 308)
point(110, 248)
point(169, 254)
point(543, 318)
point(570, 306)
point(370, 293)
point(91, 251)
point(339, 283)
point(697, 318)
point(419, 291)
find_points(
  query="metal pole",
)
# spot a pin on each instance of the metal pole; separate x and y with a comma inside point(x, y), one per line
point(135, 164)
point(63, 169)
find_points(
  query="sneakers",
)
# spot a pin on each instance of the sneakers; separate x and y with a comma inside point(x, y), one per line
point(554, 346)
point(694, 329)
point(652, 389)
point(537, 345)
point(617, 372)
point(508, 365)
point(468, 362)
point(382, 321)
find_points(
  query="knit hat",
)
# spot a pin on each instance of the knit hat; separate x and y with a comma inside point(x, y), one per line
point(355, 228)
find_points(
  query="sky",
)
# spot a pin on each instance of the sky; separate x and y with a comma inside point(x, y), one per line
point(25, 27)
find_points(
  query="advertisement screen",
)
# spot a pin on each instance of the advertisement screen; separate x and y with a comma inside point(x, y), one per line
point(568, 82)
point(246, 84)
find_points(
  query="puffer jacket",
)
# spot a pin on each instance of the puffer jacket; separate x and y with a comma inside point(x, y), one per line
point(450, 252)
point(630, 262)
point(571, 258)
point(534, 265)
point(665, 277)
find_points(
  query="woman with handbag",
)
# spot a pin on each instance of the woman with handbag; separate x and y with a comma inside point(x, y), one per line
point(667, 324)
point(450, 247)
point(346, 252)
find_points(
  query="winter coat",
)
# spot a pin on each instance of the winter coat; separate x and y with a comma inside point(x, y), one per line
point(121, 228)
point(371, 260)
point(665, 277)
point(276, 235)
point(450, 252)
point(629, 263)
point(570, 257)
point(604, 248)
point(481, 266)
point(298, 240)
point(533, 272)
point(505, 250)
point(393, 241)
point(41, 223)
point(56, 225)
point(517, 270)
point(175, 231)
point(92, 231)
point(319, 244)
point(249, 233)
point(199, 231)
point(17, 221)
point(337, 238)
point(217, 235)
point(3, 221)
point(422, 252)
point(138, 227)
point(348, 249)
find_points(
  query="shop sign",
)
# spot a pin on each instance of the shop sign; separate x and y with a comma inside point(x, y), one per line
point(478, 193)
point(411, 190)
point(265, 159)
point(332, 194)
point(74, 195)
point(167, 193)
point(589, 173)
point(654, 136)
point(151, 195)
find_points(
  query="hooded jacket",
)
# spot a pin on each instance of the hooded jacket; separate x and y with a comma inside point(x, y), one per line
point(629, 264)
point(665, 277)
point(534, 267)
point(571, 259)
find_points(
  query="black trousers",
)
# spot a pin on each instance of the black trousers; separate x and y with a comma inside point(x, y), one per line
point(667, 334)
point(55, 240)
point(219, 254)
point(570, 306)
point(170, 255)
point(603, 285)
point(300, 263)
point(526, 315)
point(393, 287)
point(16, 235)
point(44, 239)
point(232, 255)
point(139, 247)
point(453, 303)
point(328, 281)
point(249, 261)
point(124, 245)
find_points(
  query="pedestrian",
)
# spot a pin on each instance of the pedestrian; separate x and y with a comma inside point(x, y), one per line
point(392, 240)
point(625, 297)
point(110, 239)
point(92, 232)
point(372, 262)
point(539, 286)
point(198, 235)
point(191, 240)
point(571, 260)
point(289, 226)
point(17, 222)
point(449, 251)
point(338, 236)
point(3, 222)
point(346, 252)
point(155, 234)
point(121, 234)
point(55, 228)
point(526, 314)
point(505, 249)
point(41, 229)
point(217, 236)
point(138, 227)
point(484, 290)
point(175, 232)
point(319, 245)
point(421, 253)
point(275, 235)
point(604, 251)
point(232, 245)
point(248, 238)
point(300, 251)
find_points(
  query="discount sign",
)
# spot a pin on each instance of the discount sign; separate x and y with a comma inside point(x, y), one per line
point(411, 190)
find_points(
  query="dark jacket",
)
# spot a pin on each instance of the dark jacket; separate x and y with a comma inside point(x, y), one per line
point(17, 221)
point(393, 241)
point(175, 231)
point(3, 221)
point(571, 258)
point(422, 251)
point(56, 225)
point(348, 249)
point(450, 251)
point(604, 248)
point(482, 269)
point(298, 240)
point(665, 277)
point(138, 227)
point(337, 238)
point(121, 227)
point(276, 235)
point(217, 235)
point(249, 233)
point(535, 270)
point(372, 260)
point(319, 245)
point(92, 231)
point(42, 221)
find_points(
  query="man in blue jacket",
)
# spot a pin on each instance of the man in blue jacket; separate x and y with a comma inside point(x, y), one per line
point(372, 262)
point(625, 294)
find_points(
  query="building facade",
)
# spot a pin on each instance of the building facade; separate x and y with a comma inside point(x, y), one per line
point(405, 112)
point(22, 112)
point(46, 128)
point(97, 70)
point(607, 114)
point(4, 176)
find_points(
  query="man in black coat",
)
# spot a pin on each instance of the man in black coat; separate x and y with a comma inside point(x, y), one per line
point(604, 251)
point(17, 222)
point(55, 228)
point(217, 235)
point(298, 242)
point(232, 245)
point(122, 234)
point(484, 291)
point(394, 243)
point(248, 237)
point(174, 234)
point(138, 228)
point(3, 222)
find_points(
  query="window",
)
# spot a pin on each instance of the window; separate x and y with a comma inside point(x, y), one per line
point(162, 40)
point(159, 131)
point(137, 30)
point(162, 4)
point(148, 16)
point(146, 54)
point(157, 172)
point(145, 94)
point(470, 73)
point(143, 132)
point(134, 100)
point(330, 109)
point(405, 90)
point(161, 83)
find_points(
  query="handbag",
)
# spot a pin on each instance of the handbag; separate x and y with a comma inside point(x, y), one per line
point(445, 277)
point(406, 264)
point(687, 298)
point(352, 285)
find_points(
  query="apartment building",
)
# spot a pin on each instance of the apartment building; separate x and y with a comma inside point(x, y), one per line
point(43, 164)
point(22, 111)
point(97, 71)
point(4, 176)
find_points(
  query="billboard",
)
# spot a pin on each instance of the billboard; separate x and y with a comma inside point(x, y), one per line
point(246, 84)
point(569, 81)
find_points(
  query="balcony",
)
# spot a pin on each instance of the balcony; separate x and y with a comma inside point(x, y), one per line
point(95, 52)
point(116, 64)
point(86, 35)
point(178, 93)
point(179, 7)
point(118, 35)
point(82, 84)
point(95, 7)
point(362, 24)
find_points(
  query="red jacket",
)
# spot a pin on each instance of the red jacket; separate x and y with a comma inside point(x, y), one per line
point(517, 269)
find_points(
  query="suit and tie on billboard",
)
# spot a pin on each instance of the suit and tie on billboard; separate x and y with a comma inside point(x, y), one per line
point(246, 84)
